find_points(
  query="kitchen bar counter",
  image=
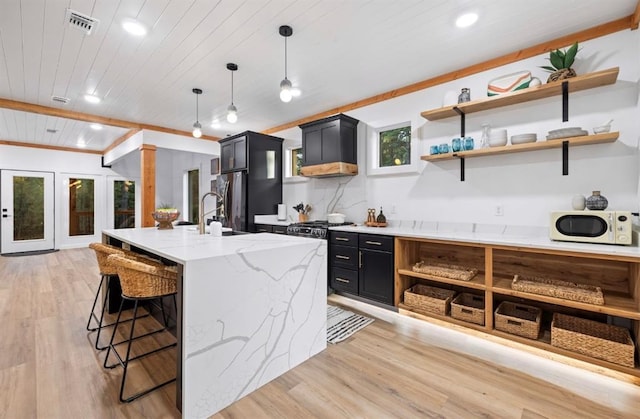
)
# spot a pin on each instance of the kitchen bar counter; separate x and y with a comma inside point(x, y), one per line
point(251, 307)
point(495, 235)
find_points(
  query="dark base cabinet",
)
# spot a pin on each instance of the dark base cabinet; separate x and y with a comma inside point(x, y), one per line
point(362, 264)
point(271, 228)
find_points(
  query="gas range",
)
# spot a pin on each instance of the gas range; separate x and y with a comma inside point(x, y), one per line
point(316, 229)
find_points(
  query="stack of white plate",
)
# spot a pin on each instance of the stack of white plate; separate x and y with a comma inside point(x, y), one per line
point(566, 133)
point(524, 138)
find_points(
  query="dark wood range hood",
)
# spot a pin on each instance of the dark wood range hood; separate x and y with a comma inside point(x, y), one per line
point(329, 147)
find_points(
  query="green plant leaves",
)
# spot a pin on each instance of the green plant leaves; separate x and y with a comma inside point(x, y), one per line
point(570, 56)
point(556, 60)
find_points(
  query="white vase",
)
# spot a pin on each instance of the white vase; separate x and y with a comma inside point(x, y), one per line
point(578, 202)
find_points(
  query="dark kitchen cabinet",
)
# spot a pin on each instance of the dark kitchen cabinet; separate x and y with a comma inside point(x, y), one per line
point(375, 278)
point(362, 264)
point(233, 154)
point(329, 147)
point(271, 228)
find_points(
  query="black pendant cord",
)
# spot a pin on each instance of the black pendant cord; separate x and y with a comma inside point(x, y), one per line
point(197, 111)
point(285, 57)
point(232, 87)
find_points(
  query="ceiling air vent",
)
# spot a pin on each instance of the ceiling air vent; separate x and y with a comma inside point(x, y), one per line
point(60, 99)
point(51, 131)
point(82, 22)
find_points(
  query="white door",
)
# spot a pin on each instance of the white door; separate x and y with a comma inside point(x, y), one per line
point(26, 208)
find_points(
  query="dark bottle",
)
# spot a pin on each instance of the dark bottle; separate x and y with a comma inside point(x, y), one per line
point(381, 218)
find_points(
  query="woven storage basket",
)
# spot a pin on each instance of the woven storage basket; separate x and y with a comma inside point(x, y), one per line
point(444, 270)
point(431, 299)
point(144, 280)
point(468, 307)
point(559, 289)
point(518, 319)
point(591, 338)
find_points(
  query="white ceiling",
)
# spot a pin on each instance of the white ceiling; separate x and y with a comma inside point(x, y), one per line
point(341, 51)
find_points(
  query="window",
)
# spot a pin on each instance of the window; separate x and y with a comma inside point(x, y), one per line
point(394, 147)
point(193, 189)
point(391, 149)
point(296, 161)
point(81, 207)
point(124, 204)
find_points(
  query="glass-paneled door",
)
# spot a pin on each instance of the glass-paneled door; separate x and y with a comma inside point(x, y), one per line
point(26, 211)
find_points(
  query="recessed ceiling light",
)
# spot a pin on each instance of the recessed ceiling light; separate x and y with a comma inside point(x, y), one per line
point(466, 20)
point(96, 127)
point(215, 124)
point(81, 143)
point(134, 27)
point(92, 99)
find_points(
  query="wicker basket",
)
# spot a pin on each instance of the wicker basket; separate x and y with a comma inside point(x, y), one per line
point(559, 289)
point(431, 299)
point(444, 270)
point(469, 308)
point(143, 280)
point(591, 338)
point(518, 319)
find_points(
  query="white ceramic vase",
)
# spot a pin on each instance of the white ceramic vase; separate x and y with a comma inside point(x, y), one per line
point(578, 202)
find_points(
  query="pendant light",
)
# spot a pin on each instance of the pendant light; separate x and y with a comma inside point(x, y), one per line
point(285, 84)
point(197, 128)
point(232, 111)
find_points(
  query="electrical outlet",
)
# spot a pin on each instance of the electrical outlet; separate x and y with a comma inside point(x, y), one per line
point(499, 211)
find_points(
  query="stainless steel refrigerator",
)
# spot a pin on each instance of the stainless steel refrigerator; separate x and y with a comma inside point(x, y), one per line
point(232, 187)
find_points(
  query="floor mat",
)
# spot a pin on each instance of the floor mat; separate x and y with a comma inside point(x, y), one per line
point(342, 323)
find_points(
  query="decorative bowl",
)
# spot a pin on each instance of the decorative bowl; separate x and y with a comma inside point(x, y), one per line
point(497, 141)
point(335, 218)
point(601, 129)
point(165, 218)
point(524, 138)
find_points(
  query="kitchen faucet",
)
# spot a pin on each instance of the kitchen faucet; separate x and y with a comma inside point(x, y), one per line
point(203, 214)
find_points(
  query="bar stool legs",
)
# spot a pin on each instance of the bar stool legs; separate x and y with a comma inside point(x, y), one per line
point(93, 316)
point(127, 359)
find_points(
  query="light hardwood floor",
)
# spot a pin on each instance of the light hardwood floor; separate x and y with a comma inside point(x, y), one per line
point(49, 369)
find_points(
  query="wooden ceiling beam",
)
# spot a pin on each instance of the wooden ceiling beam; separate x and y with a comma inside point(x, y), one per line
point(581, 36)
point(80, 116)
point(635, 17)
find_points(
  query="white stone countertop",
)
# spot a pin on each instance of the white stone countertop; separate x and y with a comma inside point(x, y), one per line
point(185, 244)
point(525, 236)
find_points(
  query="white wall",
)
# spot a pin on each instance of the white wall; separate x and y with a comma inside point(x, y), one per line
point(64, 165)
point(527, 185)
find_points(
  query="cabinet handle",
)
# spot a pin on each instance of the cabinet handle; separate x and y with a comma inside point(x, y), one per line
point(342, 239)
point(375, 243)
point(346, 281)
point(342, 257)
point(359, 259)
point(262, 230)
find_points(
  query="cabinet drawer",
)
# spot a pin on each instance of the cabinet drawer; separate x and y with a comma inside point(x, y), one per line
point(344, 256)
point(343, 238)
point(280, 229)
point(264, 228)
point(376, 242)
point(344, 280)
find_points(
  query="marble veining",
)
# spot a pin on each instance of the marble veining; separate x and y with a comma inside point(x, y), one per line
point(254, 306)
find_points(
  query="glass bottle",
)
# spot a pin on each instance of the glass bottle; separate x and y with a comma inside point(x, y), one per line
point(465, 95)
point(486, 133)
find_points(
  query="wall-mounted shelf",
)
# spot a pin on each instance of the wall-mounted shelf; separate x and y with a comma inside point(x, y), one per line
point(608, 137)
point(583, 82)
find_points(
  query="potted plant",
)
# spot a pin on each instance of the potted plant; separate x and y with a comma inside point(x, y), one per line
point(561, 62)
point(165, 215)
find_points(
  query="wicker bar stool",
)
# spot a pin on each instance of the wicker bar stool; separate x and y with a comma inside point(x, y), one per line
point(107, 273)
point(140, 281)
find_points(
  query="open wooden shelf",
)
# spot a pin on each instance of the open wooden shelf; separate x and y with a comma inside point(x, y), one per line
point(614, 305)
point(477, 282)
point(425, 315)
point(608, 137)
point(583, 82)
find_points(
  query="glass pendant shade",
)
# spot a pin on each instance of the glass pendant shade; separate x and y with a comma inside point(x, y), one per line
point(285, 90)
point(197, 129)
point(232, 114)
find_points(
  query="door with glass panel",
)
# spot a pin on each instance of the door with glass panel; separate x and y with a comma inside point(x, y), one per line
point(27, 211)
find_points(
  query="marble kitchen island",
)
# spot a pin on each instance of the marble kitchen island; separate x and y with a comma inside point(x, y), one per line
point(250, 308)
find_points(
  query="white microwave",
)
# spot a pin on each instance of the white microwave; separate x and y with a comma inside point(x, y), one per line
point(607, 227)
